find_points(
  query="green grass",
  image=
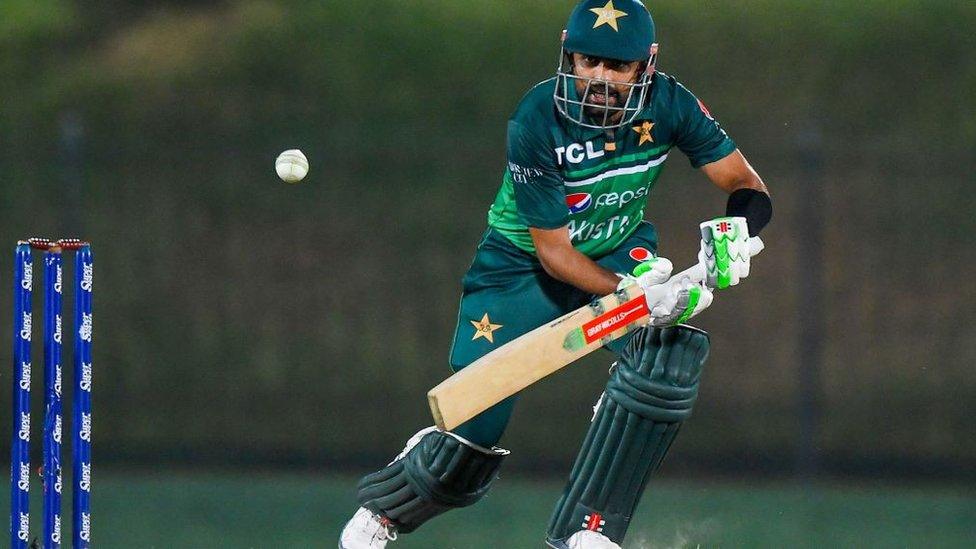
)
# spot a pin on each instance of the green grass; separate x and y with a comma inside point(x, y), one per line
point(290, 510)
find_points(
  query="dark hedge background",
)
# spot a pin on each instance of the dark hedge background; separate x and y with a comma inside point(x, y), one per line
point(241, 321)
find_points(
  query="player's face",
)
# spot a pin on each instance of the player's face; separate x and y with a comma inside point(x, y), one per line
point(610, 82)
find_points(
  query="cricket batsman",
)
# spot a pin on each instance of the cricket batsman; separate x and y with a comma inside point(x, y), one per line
point(585, 149)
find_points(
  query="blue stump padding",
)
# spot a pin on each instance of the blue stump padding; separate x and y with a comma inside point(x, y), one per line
point(20, 433)
point(52, 398)
point(82, 412)
point(81, 425)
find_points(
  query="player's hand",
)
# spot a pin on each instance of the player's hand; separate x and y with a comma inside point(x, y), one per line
point(648, 273)
point(724, 251)
point(683, 299)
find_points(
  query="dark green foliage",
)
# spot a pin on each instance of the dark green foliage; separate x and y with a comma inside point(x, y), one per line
point(303, 324)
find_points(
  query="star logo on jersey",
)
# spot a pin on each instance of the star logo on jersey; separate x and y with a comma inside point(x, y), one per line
point(645, 132)
point(484, 328)
point(608, 15)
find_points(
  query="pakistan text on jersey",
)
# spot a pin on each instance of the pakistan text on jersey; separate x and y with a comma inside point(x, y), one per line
point(523, 174)
point(581, 229)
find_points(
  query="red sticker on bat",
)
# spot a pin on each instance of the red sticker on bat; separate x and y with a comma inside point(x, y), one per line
point(615, 319)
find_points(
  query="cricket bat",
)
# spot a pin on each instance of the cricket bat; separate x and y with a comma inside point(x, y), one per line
point(548, 348)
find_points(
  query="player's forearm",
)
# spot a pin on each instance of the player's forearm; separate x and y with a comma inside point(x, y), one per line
point(574, 268)
point(746, 179)
point(748, 195)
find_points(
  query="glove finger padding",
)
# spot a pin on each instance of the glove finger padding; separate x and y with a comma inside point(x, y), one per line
point(693, 299)
point(648, 273)
point(653, 272)
point(724, 251)
point(682, 303)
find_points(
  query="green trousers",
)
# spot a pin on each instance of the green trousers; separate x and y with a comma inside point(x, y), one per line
point(506, 293)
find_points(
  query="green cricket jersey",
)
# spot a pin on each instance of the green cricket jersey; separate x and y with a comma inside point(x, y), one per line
point(594, 181)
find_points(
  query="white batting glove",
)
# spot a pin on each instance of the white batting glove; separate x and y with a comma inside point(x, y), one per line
point(681, 302)
point(649, 273)
point(724, 251)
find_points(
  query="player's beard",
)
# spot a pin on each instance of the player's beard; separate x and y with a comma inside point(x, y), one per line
point(603, 100)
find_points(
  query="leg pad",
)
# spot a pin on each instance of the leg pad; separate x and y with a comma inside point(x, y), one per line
point(651, 391)
point(441, 472)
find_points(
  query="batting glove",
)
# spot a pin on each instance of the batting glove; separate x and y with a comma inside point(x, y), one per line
point(724, 251)
point(682, 301)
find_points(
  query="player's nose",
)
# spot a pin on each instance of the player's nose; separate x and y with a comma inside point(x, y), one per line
point(600, 71)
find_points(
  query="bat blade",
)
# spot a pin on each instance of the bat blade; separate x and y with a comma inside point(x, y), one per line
point(548, 348)
point(534, 355)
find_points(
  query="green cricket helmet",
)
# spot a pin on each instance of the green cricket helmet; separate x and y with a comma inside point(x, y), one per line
point(620, 30)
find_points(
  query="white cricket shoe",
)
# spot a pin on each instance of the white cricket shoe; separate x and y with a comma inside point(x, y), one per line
point(588, 539)
point(366, 530)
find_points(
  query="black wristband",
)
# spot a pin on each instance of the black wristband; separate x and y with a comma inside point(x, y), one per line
point(753, 205)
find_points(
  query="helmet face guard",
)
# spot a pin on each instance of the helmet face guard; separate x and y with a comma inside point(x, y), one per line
point(577, 108)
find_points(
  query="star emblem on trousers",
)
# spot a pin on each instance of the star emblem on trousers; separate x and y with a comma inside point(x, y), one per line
point(608, 15)
point(484, 328)
point(645, 132)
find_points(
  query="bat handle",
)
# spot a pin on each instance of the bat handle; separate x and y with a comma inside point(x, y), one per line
point(756, 245)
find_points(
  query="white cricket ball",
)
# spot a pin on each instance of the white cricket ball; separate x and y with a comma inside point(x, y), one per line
point(292, 166)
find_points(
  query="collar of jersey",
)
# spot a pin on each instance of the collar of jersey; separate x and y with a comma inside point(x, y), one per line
point(590, 133)
point(644, 114)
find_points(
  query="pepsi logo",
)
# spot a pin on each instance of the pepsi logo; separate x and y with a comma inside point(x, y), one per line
point(641, 253)
point(578, 202)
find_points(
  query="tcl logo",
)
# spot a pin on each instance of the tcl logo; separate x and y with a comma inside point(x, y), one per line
point(577, 153)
